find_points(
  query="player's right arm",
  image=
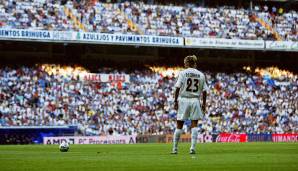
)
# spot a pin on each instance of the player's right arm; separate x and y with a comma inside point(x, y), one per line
point(177, 90)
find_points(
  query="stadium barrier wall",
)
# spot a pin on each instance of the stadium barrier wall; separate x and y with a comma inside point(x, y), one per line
point(202, 138)
point(144, 40)
point(56, 135)
point(237, 138)
point(32, 134)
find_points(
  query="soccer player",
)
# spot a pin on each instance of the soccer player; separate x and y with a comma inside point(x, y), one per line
point(190, 85)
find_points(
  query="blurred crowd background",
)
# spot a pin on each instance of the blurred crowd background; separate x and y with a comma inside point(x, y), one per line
point(259, 100)
point(245, 100)
point(151, 18)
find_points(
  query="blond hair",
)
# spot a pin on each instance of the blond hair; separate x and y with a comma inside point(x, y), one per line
point(190, 61)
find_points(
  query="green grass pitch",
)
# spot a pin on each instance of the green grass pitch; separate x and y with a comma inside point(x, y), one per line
point(209, 157)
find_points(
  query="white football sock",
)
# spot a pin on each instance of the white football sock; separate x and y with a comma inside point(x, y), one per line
point(194, 136)
point(176, 138)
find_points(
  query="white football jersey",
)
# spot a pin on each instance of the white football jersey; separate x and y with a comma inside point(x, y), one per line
point(191, 83)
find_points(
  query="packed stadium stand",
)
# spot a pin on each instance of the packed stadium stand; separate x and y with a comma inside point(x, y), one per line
point(138, 17)
point(41, 39)
point(260, 101)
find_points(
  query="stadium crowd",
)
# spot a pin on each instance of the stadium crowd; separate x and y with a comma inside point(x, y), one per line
point(150, 19)
point(265, 101)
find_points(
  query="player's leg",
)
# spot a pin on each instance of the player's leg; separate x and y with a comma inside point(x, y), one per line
point(182, 115)
point(196, 114)
point(176, 136)
point(194, 136)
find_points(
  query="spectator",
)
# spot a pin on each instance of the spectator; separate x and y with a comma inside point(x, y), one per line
point(187, 20)
point(243, 102)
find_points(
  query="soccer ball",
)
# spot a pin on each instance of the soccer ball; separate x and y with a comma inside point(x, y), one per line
point(64, 147)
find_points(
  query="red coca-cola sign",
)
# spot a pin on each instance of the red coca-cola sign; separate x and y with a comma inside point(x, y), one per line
point(228, 137)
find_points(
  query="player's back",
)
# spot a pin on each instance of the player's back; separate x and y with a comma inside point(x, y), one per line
point(191, 82)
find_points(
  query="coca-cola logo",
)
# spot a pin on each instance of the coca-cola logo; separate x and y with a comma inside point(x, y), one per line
point(227, 137)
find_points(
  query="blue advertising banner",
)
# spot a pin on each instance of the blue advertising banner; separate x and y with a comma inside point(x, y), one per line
point(32, 134)
point(259, 137)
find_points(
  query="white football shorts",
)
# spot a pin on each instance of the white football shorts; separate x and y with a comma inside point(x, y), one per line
point(189, 108)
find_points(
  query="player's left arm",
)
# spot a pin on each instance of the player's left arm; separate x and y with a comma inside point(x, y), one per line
point(177, 90)
point(204, 101)
point(205, 89)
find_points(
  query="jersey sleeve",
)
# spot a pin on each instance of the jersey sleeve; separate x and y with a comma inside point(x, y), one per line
point(179, 80)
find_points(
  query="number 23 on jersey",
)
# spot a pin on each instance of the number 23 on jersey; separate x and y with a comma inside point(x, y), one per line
point(192, 85)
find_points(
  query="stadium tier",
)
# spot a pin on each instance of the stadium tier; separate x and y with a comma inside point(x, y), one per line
point(188, 20)
point(137, 85)
point(141, 101)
